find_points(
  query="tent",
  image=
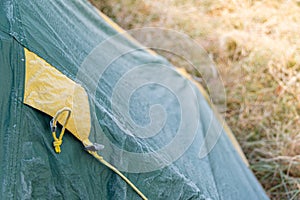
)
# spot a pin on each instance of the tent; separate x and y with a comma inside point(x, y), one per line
point(44, 45)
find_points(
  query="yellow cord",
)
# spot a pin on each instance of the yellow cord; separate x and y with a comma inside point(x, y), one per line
point(101, 159)
point(58, 141)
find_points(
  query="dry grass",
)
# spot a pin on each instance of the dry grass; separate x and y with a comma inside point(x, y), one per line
point(256, 46)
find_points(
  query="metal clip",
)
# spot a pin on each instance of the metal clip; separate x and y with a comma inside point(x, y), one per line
point(52, 127)
point(94, 147)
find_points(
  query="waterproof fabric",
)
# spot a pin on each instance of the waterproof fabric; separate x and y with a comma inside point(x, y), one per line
point(64, 33)
point(48, 90)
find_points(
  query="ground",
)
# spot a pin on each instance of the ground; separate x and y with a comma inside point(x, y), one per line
point(255, 45)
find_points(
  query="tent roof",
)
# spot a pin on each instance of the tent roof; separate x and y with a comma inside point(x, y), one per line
point(64, 33)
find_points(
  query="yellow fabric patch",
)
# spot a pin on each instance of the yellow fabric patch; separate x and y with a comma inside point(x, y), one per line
point(48, 90)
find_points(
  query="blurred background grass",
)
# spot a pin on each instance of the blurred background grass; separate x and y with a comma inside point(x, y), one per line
point(255, 45)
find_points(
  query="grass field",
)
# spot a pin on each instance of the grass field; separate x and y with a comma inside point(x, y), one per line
point(256, 47)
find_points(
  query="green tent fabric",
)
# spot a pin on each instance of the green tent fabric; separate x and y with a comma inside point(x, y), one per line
point(64, 33)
